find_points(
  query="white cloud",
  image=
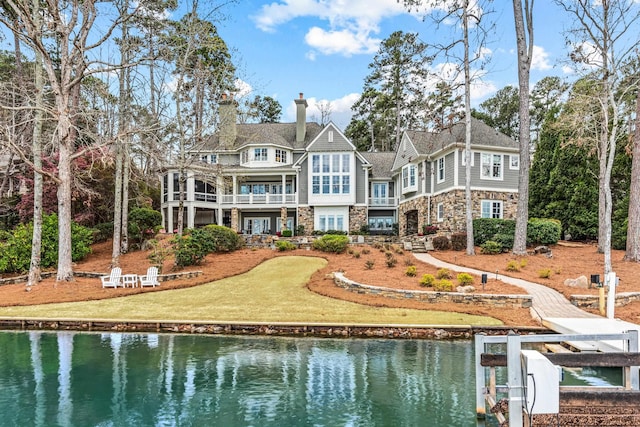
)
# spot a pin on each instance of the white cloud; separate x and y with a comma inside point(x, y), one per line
point(342, 42)
point(242, 88)
point(350, 28)
point(540, 59)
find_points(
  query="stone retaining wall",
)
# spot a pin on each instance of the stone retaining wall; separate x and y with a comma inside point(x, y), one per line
point(593, 301)
point(270, 329)
point(486, 300)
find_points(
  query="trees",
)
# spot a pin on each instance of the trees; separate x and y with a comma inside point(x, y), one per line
point(603, 40)
point(501, 111)
point(632, 252)
point(264, 109)
point(394, 85)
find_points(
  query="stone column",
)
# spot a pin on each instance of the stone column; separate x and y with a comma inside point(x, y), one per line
point(283, 217)
point(234, 219)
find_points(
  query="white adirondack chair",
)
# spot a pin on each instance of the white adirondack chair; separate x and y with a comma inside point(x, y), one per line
point(151, 278)
point(113, 279)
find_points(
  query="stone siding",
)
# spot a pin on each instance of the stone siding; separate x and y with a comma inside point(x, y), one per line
point(593, 301)
point(454, 219)
point(357, 217)
point(485, 300)
point(305, 218)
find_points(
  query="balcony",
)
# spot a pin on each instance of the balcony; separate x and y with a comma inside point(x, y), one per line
point(259, 199)
point(382, 202)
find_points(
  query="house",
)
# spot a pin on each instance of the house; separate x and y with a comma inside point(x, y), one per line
point(263, 178)
point(430, 169)
point(266, 177)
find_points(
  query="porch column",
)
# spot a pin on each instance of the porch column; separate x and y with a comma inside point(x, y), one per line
point(169, 228)
point(191, 215)
point(235, 218)
point(284, 189)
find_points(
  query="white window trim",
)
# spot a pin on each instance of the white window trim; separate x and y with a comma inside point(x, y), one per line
point(492, 178)
point(513, 157)
point(440, 212)
point(409, 187)
point(491, 202)
point(333, 171)
point(444, 170)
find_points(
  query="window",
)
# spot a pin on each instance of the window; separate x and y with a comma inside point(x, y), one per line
point(244, 157)
point(491, 209)
point(491, 166)
point(331, 222)
point(204, 192)
point(379, 192)
point(381, 223)
point(409, 178)
point(441, 169)
point(281, 156)
point(165, 187)
point(257, 225)
point(514, 162)
point(209, 158)
point(334, 178)
point(440, 212)
point(260, 154)
point(330, 136)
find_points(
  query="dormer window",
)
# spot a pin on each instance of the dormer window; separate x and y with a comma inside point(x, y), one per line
point(260, 154)
point(209, 158)
point(281, 156)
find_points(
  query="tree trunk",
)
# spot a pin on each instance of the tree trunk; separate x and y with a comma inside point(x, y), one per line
point(65, 267)
point(525, 51)
point(126, 172)
point(117, 207)
point(36, 241)
point(633, 228)
point(467, 137)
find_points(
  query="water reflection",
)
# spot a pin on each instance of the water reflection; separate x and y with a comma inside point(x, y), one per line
point(71, 379)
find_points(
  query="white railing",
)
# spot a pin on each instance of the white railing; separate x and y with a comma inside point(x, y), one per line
point(382, 201)
point(258, 199)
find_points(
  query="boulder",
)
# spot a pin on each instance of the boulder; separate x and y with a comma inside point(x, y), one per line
point(465, 289)
point(580, 282)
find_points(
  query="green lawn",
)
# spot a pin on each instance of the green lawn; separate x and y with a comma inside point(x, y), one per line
point(272, 292)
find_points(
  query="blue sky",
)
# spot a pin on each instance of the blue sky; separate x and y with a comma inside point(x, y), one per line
point(323, 47)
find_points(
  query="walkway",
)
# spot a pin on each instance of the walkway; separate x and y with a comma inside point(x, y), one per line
point(547, 303)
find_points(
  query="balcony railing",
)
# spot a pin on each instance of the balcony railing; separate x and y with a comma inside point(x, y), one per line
point(382, 201)
point(258, 199)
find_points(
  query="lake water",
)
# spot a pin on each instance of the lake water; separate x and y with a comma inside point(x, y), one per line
point(84, 379)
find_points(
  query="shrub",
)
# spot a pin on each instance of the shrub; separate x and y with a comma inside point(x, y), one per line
point(491, 248)
point(427, 280)
point(545, 273)
point(411, 271)
point(409, 261)
point(300, 230)
point(485, 228)
point(513, 265)
point(459, 241)
point(429, 229)
point(397, 249)
point(285, 245)
point(159, 253)
point(15, 252)
point(391, 261)
point(223, 239)
point(366, 251)
point(441, 243)
point(102, 232)
point(187, 250)
point(443, 273)
point(331, 243)
point(443, 285)
point(543, 231)
point(356, 254)
point(523, 263)
point(286, 233)
point(369, 264)
point(142, 223)
point(465, 279)
point(505, 240)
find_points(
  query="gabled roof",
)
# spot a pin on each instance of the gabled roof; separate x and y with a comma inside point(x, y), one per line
point(481, 135)
point(281, 134)
point(381, 163)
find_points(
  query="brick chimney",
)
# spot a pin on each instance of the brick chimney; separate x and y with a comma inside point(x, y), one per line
point(301, 118)
point(227, 129)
